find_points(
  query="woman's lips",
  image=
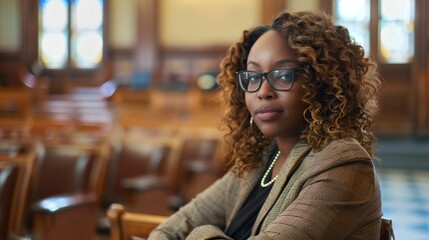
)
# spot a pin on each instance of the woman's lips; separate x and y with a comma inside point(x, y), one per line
point(267, 113)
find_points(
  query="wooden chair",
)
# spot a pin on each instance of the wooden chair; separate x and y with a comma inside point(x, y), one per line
point(386, 231)
point(25, 157)
point(91, 144)
point(147, 170)
point(202, 160)
point(8, 179)
point(53, 205)
point(14, 129)
point(15, 103)
point(196, 162)
point(68, 167)
point(69, 208)
point(126, 225)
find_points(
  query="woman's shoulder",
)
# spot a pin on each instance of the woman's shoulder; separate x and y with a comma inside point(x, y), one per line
point(344, 145)
point(342, 150)
point(341, 158)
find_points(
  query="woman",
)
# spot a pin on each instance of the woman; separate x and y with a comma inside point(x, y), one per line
point(300, 101)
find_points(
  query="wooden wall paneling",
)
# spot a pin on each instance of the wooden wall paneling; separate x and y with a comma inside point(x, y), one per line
point(270, 9)
point(185, 65)
point(395, 114)
point(147, 49)
point(327, 6)
point(30, 41)
point(9, 68)
point(373, 28)
point(420, 69)
point(397, 106)
point(425, 82)
point(397, 110)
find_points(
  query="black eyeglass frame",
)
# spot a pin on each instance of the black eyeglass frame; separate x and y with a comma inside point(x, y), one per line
point(269, 80)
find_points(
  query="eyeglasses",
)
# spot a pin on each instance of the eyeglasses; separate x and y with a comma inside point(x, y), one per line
point(279, 79)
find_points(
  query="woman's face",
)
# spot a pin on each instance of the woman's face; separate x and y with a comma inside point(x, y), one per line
point(276, 113)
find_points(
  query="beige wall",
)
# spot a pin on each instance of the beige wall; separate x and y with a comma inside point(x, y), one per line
point(183, 23)
point(300, 5)
point(192, 23)
point(10, 25)
point(123, 23)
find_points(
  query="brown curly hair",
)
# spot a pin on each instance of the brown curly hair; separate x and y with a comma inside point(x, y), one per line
point(340, 87)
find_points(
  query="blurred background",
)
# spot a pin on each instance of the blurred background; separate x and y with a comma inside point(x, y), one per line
point(112, 101)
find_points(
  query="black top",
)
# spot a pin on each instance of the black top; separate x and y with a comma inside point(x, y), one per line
point(241, 225)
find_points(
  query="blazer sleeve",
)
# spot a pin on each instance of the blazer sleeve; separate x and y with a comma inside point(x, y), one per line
point(207, 232)
point(334, 203)
point(208, 208)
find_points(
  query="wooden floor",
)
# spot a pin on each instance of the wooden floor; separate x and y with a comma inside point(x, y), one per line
point(404, 180)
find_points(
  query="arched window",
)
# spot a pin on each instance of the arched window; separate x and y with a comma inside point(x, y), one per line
point(396, 31)
point(394, 34)
point(394, 42)
point(355, 15)
point(70, 33)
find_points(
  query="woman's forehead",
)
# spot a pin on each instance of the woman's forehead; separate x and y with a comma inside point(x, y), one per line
point(271, 47)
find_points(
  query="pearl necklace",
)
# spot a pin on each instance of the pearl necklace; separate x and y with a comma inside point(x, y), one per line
point(263, 184)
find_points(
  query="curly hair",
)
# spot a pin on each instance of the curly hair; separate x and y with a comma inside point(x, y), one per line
point(340, 87)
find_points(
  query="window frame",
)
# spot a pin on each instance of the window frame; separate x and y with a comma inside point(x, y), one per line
point(375, 17)
point(69, 70)
point(374, 36)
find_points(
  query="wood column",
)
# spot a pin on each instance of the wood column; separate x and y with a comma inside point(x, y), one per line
point(270, 9)
point(421, 68)
point(146, 56)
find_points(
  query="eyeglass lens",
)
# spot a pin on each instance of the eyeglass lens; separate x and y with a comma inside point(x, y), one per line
point(278, 79)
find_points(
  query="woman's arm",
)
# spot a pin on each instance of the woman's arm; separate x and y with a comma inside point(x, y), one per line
point(208, 208)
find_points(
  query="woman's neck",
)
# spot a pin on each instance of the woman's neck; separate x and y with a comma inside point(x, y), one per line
point(285, 146)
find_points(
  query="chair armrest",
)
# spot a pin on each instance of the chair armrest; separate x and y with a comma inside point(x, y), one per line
point(144, 183)
point(62, 202)
point(131, 225)
point(386, 230)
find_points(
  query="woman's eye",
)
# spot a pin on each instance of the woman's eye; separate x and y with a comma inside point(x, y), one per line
point(254, 78)
point(285, 76)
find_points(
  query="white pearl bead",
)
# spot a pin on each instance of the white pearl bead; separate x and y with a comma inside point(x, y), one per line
point(263, 184)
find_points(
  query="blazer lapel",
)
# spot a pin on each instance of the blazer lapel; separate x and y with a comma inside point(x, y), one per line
point(246, 186)
point(248, 183)
point(295, 157)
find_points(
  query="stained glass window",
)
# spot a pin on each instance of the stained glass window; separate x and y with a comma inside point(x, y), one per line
point(395, 34)
point(54, 33)
point(87, 37)
point(396, 30)
point(355, 15)
point(71, 33)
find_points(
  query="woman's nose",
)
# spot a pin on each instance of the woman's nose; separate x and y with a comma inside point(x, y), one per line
point(265, 91)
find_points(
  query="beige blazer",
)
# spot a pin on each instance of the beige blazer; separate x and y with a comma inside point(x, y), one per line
point(332, 193)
